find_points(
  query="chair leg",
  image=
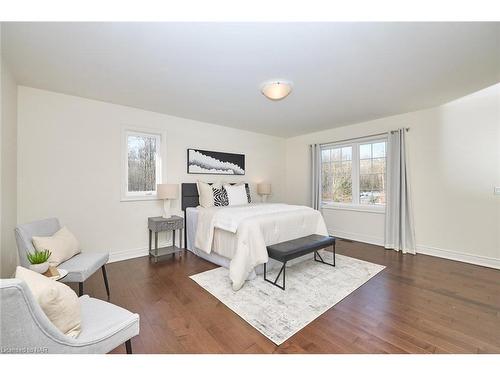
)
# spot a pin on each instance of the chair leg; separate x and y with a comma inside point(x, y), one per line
point(105, 276)
point(80, 289)
point(128, 346)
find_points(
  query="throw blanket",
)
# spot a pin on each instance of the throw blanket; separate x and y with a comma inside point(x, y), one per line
point(255, 227)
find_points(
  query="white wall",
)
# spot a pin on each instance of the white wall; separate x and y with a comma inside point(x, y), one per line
point(455, 164)
point(8, 154)
point(70, 167)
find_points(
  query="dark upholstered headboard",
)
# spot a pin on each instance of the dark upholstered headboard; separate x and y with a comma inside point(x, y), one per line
point(189, 198)
point(189, 195)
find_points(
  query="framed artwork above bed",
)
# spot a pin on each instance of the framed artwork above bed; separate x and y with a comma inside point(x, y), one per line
point(213, 162)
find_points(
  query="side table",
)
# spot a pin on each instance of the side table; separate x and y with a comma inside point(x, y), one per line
point(160, 224)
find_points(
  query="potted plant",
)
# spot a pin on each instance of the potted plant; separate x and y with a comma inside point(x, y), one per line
point(39, 260)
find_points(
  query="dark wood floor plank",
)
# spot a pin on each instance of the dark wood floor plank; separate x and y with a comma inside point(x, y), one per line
point(383, 333)
point(418, 304)
point(412, 306)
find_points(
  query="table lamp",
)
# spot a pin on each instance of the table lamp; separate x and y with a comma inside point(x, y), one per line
point(264, 190)
point(167, 192)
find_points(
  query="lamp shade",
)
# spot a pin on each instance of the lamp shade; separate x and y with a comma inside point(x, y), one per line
point(264, 189)
point(167, 191)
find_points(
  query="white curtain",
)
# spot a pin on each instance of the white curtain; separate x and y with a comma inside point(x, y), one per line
point(315, 176)
point(399, 227)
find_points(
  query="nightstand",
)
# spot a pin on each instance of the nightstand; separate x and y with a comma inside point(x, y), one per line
point(160, 224)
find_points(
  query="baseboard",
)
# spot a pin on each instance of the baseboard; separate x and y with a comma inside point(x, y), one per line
point(373, 240)
point(459, 256)
point(117, 256)
point(479, 260)
point(426, 250)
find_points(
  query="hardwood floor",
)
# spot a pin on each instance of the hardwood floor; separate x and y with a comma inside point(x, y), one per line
point(418, 304)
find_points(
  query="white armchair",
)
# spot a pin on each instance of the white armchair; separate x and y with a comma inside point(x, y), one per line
point(26, 329)
point(79, 267)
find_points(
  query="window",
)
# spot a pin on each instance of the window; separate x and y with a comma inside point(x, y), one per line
point(142, 165)
point(353, 174)
point(372, 173)
point(337, 174)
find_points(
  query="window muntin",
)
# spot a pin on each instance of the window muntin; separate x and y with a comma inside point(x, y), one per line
point(354, 173)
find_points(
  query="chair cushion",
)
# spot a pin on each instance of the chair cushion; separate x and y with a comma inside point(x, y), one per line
point(82, 265)
point(101, 320)
point(62, 245)
point(58, 301)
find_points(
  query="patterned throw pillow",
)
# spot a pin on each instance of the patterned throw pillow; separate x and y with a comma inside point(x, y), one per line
point(247, 188)
point(220, 197)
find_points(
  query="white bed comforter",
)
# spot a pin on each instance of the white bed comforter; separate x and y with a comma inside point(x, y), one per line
point(255, 226)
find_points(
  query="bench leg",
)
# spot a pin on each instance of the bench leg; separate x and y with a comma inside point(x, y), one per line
point(275, 282)
point(80, 289)
point(320, 260)
point(333, 246)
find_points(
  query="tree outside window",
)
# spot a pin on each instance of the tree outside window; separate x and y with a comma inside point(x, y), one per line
point(141, 163)
point(354, 173)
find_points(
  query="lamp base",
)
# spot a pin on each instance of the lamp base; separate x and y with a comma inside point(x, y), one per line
point(166, 209)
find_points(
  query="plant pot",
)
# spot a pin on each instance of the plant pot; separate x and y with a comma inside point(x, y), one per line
point(40, 268)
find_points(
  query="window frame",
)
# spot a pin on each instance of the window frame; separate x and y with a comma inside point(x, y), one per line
point(160, 136)
point(355, 176)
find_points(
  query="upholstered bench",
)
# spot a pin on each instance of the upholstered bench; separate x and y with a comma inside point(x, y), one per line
point(288, 250)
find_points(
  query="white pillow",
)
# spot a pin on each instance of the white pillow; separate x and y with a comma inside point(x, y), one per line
point(236, 194)
point(63, 245)
point(205, 193)
point(58, 301)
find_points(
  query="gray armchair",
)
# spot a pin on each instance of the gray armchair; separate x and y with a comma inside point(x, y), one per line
point(79, 267)
point(26, 329)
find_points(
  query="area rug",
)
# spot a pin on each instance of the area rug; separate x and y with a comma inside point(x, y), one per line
point(311, 289)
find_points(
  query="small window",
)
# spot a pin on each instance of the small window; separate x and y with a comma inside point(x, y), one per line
point(142, 164)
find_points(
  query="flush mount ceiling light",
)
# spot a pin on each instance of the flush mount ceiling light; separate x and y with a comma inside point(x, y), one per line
point(276, 90)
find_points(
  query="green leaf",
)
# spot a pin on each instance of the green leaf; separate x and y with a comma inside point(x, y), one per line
point(38, 257)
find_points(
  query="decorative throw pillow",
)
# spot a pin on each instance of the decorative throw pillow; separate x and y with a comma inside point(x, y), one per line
point(63, 245)
point(206, 194)
point(57, 300)
point(220, 196)
point(237, 194)
point(247, 188)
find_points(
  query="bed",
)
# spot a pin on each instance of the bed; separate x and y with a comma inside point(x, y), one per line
point(236, 237)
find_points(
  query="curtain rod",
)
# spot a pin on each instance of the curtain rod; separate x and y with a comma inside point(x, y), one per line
point(357, 138)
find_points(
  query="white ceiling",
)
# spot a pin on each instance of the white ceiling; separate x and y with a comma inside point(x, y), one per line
point(343, 73)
